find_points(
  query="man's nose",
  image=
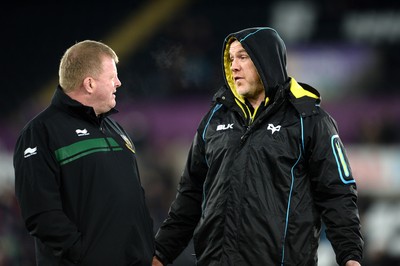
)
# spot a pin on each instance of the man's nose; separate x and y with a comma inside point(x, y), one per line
point(234, 65)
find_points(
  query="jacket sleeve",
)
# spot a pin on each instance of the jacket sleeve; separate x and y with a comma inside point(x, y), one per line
point(37, 191)
point(185, 211)
point(335, 190)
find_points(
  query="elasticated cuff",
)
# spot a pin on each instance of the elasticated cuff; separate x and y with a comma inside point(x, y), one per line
point(161, 258)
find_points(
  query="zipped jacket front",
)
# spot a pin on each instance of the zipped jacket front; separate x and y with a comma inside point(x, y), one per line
point(78, 186)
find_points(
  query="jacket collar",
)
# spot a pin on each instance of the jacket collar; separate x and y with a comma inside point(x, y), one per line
point(75, 108)
point(304, 98)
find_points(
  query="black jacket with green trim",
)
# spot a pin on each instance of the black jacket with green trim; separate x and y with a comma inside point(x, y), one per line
point(78, 187)
point(256, 188)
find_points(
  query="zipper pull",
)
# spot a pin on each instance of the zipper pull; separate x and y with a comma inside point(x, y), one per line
point(245, 135)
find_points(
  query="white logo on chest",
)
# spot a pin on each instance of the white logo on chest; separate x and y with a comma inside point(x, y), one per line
point(273, 128)
point(224, 127)
point(82, 132)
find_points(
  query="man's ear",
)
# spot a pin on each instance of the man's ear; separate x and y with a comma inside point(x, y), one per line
point(88, 84)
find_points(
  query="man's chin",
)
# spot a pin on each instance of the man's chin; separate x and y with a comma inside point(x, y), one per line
point(242, 92)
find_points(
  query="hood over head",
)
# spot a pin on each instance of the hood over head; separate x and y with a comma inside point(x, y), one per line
point(268, 53)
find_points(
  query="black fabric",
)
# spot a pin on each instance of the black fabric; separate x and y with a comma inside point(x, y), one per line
point(79, 190)
point(256, 192)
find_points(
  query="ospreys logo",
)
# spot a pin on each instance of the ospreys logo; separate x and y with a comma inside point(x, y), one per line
point(128, 143)
point(273, 128)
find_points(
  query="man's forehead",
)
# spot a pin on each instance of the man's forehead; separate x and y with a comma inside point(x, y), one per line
point(236, 47)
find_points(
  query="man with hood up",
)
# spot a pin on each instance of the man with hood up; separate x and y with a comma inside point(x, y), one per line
point(265, 169)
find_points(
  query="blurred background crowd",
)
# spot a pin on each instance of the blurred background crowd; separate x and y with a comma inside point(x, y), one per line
point(170, 66)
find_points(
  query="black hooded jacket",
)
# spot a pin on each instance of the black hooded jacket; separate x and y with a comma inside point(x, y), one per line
point(259, 183)
point(78, 186)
